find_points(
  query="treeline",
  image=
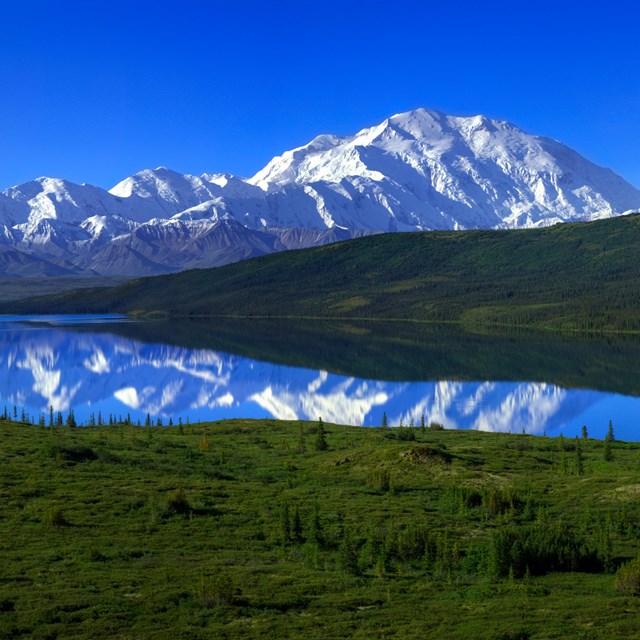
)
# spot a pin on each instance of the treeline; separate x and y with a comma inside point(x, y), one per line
point(56, 418)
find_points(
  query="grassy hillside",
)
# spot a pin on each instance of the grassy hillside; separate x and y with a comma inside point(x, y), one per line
point(244, 529)
point(574, 276)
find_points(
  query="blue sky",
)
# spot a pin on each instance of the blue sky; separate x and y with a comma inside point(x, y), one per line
point(94, 91)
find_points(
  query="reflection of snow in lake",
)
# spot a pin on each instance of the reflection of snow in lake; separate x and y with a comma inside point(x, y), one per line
point(51, 366)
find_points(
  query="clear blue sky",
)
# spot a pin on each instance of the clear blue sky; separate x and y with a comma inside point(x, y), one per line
point(93, 91)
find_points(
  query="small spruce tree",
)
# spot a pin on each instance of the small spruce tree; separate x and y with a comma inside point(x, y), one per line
point(563, 455)
point(579, 460)
point(585, 433)
point(71, 419)
point(301, 448)
point(321, 438)
point(285, 524)
point(610, 437)
point(296, 526)
point(608, 451)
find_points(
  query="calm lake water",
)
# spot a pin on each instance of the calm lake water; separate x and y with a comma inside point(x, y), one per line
point(342, 372)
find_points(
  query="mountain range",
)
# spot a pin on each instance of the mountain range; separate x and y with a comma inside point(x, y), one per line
point(420, 170)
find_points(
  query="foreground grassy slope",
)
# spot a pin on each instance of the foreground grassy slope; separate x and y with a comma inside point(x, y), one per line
point(243, 529)
point(573, 276)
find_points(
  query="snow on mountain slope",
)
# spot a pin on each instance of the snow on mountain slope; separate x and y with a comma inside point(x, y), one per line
point(414, 171)
point(430, 170)
point(162, 193)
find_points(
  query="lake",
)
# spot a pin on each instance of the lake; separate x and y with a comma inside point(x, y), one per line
point(343, 372)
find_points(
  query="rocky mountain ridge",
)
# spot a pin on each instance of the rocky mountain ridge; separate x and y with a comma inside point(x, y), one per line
point(415, 171)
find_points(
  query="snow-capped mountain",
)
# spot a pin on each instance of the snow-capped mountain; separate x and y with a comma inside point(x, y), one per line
point(415, 171)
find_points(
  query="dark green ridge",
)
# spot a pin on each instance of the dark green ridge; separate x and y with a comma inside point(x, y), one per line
point(581, 276)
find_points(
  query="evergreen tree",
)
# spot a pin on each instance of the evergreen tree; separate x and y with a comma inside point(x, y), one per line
point(285, 525)
point(608, 451)
point(59, 421)
point(385, 424)
point(579, 460)
point(321, 439)
point(610, 437)
point(423, 426)
point(314, 533)
point(348, 554)
point(71, 420)
point(147, 422)
point(301, 448)
point(563, 455)
point(51, 415)
point(585, 433)
point(296, 526)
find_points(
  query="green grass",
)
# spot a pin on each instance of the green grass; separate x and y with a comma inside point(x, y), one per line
point(568, 277)
point(168, 533)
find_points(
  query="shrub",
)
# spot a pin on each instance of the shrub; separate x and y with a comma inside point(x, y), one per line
point(628, 577)
point(72, 453)
point(518, 634)
point(7, 605)
point(216, 592)
point(56, 518)
point(95, 555)
point(203, 445)
point(406, 434)
point(379, 479)
point(178, 502)
point(436, 426)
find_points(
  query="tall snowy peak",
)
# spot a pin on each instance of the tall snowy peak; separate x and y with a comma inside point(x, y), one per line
point(414, 171)
point(430, 170)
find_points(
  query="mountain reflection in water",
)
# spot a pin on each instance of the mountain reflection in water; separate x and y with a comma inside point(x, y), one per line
point(343, 373)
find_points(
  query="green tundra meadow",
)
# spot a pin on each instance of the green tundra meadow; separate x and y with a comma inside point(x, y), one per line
point(272, 529)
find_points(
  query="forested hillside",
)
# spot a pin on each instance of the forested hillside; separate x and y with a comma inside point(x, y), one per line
point(580, 276)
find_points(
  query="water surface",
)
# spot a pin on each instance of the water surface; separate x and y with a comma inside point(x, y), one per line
point(348, 373)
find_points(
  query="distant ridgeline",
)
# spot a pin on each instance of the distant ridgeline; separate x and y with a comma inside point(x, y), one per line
point(578, 276)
